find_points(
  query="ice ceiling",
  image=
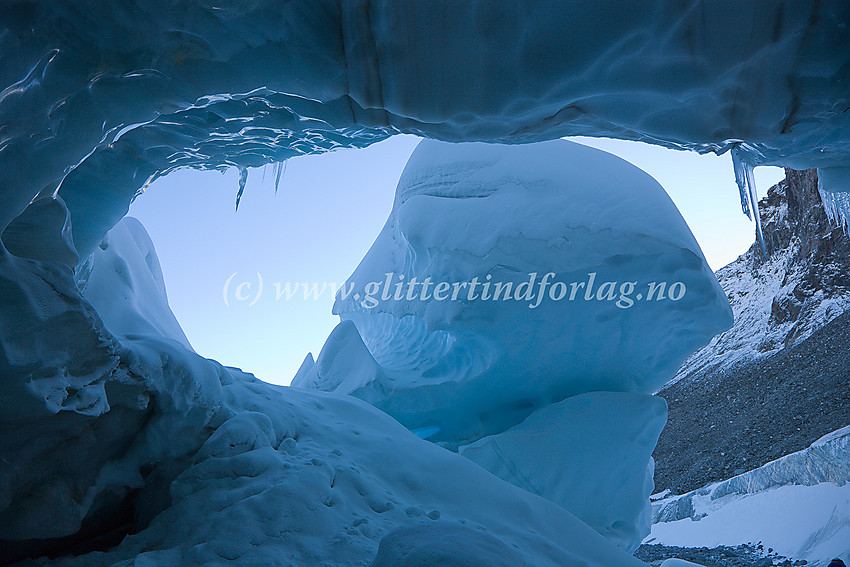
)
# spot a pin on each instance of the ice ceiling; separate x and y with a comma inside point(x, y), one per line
point(101, 97)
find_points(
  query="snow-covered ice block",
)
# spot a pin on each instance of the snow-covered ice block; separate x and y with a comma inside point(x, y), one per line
point(108, 431)
point(591, 454)
point(343, 363)
point(564, 269)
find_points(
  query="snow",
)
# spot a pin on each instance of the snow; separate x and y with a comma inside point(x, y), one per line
point(123, 270)
point(799, 505)
point(506, 215)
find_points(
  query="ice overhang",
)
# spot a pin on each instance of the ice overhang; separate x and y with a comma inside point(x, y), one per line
point(101, 98)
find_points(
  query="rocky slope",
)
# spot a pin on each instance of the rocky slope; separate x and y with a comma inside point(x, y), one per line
point(779, 378)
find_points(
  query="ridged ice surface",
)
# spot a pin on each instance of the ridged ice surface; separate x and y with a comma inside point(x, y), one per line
point(798, 505)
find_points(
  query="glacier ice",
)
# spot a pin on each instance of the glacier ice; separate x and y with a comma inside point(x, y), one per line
point(50, 218)
point(469, 368)
point(591, 454)
point(120, 444)
point(825, 460)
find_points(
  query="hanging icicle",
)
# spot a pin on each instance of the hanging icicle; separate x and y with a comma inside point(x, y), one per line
point(747, 190)
point(243, 179)
point(833, 186)
point(837, 206)
point(279, 167)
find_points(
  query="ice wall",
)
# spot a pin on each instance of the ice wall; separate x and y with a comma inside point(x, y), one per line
point(798, 505)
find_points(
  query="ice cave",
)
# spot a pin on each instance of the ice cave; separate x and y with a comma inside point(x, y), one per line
point(499, 401)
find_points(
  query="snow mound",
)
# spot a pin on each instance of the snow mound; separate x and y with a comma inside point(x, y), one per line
point(123, 281)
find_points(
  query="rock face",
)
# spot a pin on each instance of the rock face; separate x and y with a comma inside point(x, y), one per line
point(780, 300)
point(777, 380)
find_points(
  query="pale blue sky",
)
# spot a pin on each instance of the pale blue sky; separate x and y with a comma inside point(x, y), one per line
point(326, 214)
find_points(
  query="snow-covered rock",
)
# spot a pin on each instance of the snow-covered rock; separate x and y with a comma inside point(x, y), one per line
point(780, 300)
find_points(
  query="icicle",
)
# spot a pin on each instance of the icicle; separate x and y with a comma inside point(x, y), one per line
point(833, 184)
point(243, 179)
point(837, 206)
point(741, 179)
point(280, 167)
point(749, 196)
